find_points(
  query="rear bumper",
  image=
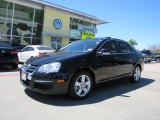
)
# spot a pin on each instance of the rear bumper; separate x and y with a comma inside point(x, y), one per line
point(8, 61)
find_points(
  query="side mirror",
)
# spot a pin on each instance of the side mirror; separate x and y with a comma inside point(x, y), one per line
point(106, 52)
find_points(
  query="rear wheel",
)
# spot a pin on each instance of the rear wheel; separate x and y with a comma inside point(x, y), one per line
point(81, 85)
point(136, 74)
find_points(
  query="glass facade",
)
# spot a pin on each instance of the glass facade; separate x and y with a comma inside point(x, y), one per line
point(77, 27)
point(20, 24)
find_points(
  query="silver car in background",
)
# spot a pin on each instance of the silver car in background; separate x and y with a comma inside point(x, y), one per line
point(33, 51)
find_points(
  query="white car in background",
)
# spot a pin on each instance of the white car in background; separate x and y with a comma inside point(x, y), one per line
point(32, 51)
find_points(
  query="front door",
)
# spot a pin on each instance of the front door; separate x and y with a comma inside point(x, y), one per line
point(108, 65)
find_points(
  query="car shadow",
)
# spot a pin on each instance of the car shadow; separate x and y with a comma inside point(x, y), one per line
point(102, 92)
point(8, 68)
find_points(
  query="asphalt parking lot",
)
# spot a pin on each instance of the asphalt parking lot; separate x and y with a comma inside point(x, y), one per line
point(117, 100)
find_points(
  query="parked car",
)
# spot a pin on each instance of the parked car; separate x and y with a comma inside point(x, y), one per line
point(8, 55)
point(78, 67)
point(33, 51)
point(156, 57)
point(18, 47)
point(147, 55)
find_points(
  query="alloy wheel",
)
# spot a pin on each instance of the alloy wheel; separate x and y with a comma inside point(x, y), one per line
point(82, 85)
point(137, 74)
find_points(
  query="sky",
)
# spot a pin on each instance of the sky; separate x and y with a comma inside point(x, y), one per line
point(128, 19)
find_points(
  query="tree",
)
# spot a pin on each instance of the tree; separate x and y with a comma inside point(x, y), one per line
point(155, 48)
point(132, 42)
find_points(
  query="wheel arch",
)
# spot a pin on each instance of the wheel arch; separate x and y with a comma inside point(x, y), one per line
point(86, 70)
point(138, 64)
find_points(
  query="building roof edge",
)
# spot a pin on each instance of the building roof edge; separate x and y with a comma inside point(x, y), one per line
point(43, 2)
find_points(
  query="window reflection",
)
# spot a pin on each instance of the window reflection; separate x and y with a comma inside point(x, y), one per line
point(78, 26)
point(23, 13)
point(26, 27)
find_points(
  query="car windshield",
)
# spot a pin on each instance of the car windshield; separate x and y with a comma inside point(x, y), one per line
point(81, 46)
point(44, 48)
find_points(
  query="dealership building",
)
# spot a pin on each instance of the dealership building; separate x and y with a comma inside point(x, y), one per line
point(40, 22)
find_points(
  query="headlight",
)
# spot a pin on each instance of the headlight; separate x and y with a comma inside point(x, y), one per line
point(51, 67)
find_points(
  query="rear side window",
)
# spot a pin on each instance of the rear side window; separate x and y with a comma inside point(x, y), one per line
point(44, 48)
point(124, 47)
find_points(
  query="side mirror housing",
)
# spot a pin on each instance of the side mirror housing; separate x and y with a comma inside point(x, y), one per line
point(105, 52)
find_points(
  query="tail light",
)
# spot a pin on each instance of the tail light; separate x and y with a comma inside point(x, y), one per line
point(40, 53)
point(13, 51)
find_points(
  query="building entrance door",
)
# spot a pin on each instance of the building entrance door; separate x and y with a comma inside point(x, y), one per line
point(56, 43)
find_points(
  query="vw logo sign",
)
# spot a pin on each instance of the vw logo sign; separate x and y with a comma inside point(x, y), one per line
point(57, 23)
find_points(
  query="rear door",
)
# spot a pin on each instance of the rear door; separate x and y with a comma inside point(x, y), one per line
point(127, 57)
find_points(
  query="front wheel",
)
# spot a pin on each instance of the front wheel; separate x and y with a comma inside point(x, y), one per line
point(136, 74)
point(81, 85)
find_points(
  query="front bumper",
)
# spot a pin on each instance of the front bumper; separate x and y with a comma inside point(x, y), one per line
point(44, 83)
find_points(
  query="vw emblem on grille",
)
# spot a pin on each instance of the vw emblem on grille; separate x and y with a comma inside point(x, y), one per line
point(58, 23)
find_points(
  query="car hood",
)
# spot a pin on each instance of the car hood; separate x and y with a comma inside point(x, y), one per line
point(53, 57)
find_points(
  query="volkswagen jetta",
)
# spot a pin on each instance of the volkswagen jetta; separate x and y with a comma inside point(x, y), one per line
point(78, 67)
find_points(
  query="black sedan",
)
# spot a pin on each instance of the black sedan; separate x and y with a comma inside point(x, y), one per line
point(78, 67)
point(8, 55)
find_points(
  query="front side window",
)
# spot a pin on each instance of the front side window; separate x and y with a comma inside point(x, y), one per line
point(110, 46)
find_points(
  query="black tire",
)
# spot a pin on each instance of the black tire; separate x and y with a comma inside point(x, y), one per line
point(15, 66)
point(84, 85)
point(158, 60)
point(136, 74)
